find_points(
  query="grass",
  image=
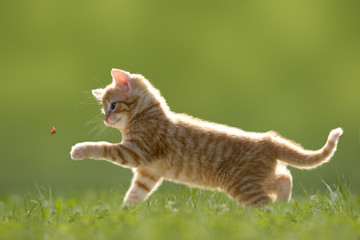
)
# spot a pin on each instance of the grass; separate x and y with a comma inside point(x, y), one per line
point(188, 214)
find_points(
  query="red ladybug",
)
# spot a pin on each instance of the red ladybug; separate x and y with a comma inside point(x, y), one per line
point(52, 131)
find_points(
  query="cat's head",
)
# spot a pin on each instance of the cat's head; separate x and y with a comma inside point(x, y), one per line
point(127, 96)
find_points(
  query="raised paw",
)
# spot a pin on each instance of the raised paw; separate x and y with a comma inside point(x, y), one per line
point(79, 151)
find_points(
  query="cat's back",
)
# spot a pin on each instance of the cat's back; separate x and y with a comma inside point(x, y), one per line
point(195, 126)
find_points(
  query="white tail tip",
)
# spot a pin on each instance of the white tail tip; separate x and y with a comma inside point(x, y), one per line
point(335, 134)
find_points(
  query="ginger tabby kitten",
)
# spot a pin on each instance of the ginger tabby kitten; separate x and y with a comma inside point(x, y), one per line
point(159, 144)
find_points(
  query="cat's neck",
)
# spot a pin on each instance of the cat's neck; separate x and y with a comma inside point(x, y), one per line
point(145, 121)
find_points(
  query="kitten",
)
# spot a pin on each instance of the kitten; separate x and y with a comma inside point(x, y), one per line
point(159, 144)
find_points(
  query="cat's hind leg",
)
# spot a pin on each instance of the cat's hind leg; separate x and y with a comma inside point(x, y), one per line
point(284, 185)
point(254, 196)
point(249, 192)
point(280, 184)
point(143, 184)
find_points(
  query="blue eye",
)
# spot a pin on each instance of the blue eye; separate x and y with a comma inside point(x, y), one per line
point(113, 105)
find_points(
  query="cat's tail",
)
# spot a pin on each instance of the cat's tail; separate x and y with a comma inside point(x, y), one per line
point(294, 155)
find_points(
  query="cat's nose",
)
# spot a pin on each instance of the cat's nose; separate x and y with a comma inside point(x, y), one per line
point(106, 119)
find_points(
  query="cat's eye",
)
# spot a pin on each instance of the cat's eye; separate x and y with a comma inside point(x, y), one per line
point(113, 105)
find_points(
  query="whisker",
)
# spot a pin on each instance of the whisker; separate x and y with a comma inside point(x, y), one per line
point(96, 79)
point(95, 128)
point(95, 120)
point(100, 131)
point(89, 99)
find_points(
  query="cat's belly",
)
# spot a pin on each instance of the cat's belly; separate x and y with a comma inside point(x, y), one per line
point(190, 178)
point(186, 175)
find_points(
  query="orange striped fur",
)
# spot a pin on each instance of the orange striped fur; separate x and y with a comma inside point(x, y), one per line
point(159, 144)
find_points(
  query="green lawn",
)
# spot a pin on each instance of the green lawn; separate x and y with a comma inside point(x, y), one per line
point(187, 214)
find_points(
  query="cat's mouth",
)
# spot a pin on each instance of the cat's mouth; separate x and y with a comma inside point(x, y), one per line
point(110, 123)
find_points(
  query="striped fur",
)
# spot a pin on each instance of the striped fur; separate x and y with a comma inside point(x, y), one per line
point(159, 144)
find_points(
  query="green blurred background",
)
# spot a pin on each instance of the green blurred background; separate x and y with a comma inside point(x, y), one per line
point(288, 66)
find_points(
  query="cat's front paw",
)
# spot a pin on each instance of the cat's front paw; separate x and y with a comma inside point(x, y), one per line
point(78, 151)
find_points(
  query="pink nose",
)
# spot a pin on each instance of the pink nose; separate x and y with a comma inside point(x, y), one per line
point(106, 119)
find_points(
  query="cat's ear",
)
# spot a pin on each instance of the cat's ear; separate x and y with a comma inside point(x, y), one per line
point(121, 79)
point(98, 93)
